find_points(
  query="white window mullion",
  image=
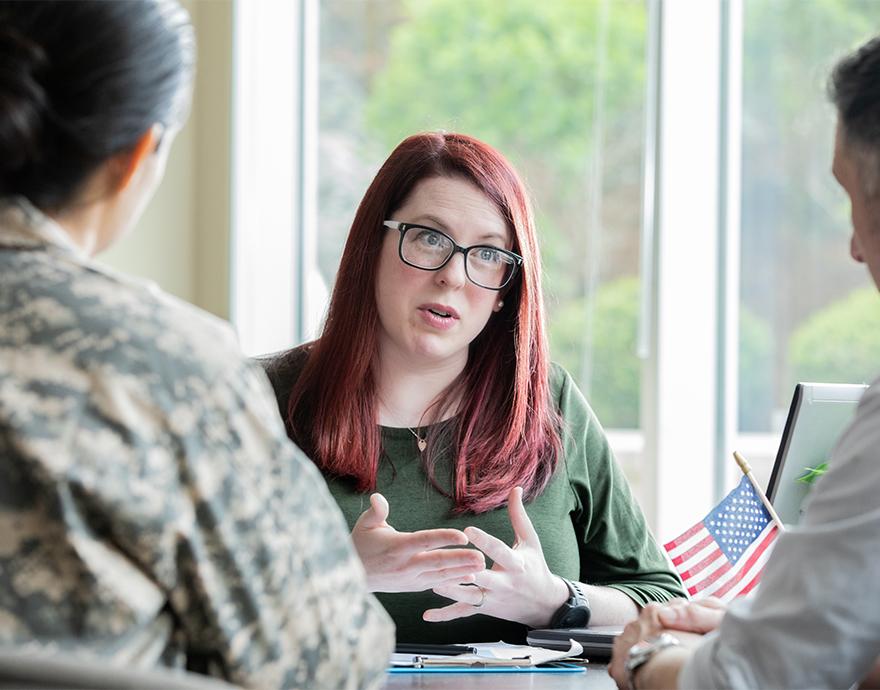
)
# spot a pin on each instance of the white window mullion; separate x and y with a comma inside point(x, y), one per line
point(266, 174)
point(313, 293)
point(686, 259)
point(728, 474)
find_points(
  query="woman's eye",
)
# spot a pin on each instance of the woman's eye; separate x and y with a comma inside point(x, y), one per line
point(431, 238)
point(489, 255)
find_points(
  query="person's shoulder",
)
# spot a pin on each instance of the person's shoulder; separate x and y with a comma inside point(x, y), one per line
point(870, 401)
point(131, 324)
point(864, 430)
point(862, 436)
point(580, 424)
point(284, 368)
point(559, 379)
point(565, 392)
point(172, 328)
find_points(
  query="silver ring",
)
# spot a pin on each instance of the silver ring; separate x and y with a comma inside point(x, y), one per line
point(482, 598)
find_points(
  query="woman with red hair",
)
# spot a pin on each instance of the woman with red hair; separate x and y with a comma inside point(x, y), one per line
point(431, 385)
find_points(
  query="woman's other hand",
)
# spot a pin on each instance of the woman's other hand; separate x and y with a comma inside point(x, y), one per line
point(519, 587)
point(410, 561)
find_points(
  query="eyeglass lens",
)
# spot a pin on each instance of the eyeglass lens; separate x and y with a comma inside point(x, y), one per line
point(486, 266)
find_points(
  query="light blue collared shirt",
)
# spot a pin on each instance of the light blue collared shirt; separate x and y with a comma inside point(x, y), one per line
point(815, 620)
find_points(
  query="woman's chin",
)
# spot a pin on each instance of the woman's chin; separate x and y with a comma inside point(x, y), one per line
point(436, 349)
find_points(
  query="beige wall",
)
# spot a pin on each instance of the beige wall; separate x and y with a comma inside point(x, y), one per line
point(182, 241)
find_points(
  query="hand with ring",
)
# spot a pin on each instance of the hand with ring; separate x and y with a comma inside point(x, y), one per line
point(519, 587)
point(480, 590)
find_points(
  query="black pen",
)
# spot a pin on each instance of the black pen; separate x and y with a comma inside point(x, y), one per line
point(445, 649)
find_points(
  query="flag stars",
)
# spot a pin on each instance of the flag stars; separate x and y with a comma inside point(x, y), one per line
point(739, 528)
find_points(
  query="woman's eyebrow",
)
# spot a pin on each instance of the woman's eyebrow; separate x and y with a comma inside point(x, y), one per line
point(429, 219)
point(432, 220)
point(494, 236)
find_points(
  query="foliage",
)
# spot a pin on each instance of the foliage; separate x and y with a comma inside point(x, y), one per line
point(811, 474)
point(755, 366)
point(841, 343)
point(539, 80)
point(794, 219)
point(558, 86)
point(527, 77)
point(522, 75)
point(604, 363)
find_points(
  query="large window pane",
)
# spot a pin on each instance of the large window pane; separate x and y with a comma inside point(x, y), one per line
point(558, 87)
point(807, 310)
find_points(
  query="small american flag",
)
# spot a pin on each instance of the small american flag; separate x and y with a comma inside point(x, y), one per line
point(724, 554)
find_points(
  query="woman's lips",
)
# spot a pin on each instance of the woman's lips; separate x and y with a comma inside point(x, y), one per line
point(438, 316)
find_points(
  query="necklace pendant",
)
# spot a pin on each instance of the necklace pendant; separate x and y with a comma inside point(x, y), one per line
point(421, 442)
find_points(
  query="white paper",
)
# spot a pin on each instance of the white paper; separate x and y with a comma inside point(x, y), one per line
point(491, 654)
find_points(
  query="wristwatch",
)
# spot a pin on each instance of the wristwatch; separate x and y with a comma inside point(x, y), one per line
point(575, 612)
point(640, 653)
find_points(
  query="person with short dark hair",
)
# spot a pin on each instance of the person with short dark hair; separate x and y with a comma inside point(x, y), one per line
point(432, 385)
point(815, 620)
point(152, 510)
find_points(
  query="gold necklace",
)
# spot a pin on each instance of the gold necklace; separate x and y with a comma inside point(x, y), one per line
point(421, 442)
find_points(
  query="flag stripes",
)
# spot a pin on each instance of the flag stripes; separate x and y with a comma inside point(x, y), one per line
point(724, 554)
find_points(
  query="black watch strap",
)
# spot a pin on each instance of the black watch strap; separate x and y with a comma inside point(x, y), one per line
point(575, 612)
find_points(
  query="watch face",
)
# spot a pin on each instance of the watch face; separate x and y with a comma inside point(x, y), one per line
point(576, 617)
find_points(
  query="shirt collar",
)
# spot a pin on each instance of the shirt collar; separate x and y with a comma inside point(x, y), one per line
point(23, 225)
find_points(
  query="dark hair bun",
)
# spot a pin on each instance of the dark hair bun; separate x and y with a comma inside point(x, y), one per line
point(22, 101)
point(82, 80)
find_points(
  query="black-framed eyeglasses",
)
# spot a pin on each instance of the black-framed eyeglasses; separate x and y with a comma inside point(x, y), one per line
point(430, 250)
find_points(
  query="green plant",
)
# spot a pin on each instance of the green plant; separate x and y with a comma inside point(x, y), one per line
point(603, 361)
point(755, 368)
point(840, 343)
point(811, 474)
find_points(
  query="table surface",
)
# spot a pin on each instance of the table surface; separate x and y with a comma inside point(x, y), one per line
point(595, 678)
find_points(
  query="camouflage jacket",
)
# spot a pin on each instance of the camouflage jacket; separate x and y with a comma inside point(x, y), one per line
point(152, 509)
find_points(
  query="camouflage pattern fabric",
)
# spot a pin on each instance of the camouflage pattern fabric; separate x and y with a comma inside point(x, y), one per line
point(152, 509)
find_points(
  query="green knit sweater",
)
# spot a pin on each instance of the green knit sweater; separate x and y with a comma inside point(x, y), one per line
point(590, 526)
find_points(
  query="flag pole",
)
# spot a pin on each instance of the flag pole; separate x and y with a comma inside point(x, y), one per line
point(747, 470)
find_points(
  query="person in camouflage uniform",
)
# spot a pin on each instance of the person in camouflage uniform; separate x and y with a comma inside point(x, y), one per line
point(152, 509)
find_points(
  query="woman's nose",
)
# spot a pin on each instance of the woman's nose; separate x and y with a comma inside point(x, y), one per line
point(453, 273)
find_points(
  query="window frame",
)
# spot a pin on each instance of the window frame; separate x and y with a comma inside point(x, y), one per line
point(691, 172)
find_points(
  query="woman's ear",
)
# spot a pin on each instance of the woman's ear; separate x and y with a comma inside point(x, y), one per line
point(127, 163)
point(499, 304)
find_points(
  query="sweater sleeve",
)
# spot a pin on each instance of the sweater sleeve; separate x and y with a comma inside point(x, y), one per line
point(616, 546)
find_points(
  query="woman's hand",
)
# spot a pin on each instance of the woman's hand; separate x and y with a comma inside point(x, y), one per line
point(410, 561)
point(519, 587)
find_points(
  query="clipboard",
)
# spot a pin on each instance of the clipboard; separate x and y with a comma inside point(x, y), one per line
point(489, 657)
point(553, 667)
